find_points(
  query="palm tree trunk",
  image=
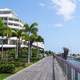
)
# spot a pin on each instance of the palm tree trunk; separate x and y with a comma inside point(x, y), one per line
point(29, 51)
point(19, 46)
point(16, 54)
point(2, 50)
point(37, 50)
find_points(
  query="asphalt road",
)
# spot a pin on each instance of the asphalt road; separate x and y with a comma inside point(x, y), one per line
point(42, 70)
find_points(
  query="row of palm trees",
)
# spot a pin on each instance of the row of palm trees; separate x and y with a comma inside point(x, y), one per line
point(29, 33)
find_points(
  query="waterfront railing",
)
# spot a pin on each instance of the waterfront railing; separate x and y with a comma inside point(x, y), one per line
point(71, 71)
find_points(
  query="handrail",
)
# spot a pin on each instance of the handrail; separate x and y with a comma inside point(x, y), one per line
point(71, 70)
point(77, 68)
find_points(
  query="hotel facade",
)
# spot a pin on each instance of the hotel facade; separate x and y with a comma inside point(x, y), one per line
point(11, 20)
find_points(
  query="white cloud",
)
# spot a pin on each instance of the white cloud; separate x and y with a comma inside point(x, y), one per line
point(65, 8)
point(42, 4)
point(58, 25)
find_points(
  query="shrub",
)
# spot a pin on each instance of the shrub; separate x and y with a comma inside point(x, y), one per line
point(7, 68)
point(17, 64)
point(34, 59)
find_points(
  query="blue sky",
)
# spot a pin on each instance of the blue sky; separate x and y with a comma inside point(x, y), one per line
point(59, 20)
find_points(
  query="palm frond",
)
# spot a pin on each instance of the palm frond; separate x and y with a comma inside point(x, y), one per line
point(34, 24)
point(25, 36)
point(26, 27)
point(39, 39)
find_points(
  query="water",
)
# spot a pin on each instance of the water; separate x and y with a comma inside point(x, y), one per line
point(75, 62)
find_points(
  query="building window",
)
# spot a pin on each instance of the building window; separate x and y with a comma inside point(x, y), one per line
point(5, 41)
point(16, 19)
point(13, 19)
point(5, 23)
point(5, 12)
point(13, 24)
point(5, 18)
point(10, 24)
point(16, 24)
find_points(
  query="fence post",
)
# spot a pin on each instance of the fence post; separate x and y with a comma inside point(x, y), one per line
point(76, 75)
point(69, 74)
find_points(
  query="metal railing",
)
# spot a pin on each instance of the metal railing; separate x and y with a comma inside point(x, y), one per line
point(71, 71)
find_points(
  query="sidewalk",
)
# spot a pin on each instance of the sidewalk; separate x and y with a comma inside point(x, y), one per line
point(58, 71)
point(42, 70)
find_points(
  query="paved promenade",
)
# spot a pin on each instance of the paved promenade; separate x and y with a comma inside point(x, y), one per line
point(42, 70)
point(59, 75)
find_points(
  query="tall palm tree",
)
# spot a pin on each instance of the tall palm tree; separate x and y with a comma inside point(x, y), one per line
point(33, 38)
point(2, 28)
point(30, 30)
point(39, 39)
point(25, 37)
point(18, 34)
point(8, 34)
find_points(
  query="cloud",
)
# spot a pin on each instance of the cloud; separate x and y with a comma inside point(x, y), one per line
point(42, 4)
point(65, 8)
point(59, 25)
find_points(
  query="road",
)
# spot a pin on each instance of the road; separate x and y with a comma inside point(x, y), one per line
point(42, 70)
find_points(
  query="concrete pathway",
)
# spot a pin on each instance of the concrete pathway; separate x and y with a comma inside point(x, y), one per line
point(42, 70)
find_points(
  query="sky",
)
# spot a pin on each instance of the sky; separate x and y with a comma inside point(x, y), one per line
point(58, 20)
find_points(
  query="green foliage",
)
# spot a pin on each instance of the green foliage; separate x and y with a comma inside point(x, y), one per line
point(31, 29)
point(34, 56)
point(48, 53)
point(23, 53)
point(4, 75)
point(18, 64)
point(34, 59)
point(2, 28)
point(8, 32)
point(39, 39)
point(7, 68)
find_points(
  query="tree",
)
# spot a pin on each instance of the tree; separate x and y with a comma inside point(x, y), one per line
point(8, 33)
point(39, 39)
point(30, 30)
point(2, 28)
point(18, 34)
point(32, 40)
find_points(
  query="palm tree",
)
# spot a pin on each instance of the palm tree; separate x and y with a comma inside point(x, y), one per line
point(39, 39)
point(2, 28)
point(18, 34)
point(25, 37)
point(8, 33)
point(33, 38)
point(30, 30)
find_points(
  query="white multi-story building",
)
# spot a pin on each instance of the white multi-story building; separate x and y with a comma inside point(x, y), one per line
point(11, 20)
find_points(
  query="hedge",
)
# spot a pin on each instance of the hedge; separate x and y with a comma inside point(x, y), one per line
point(7, 68)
